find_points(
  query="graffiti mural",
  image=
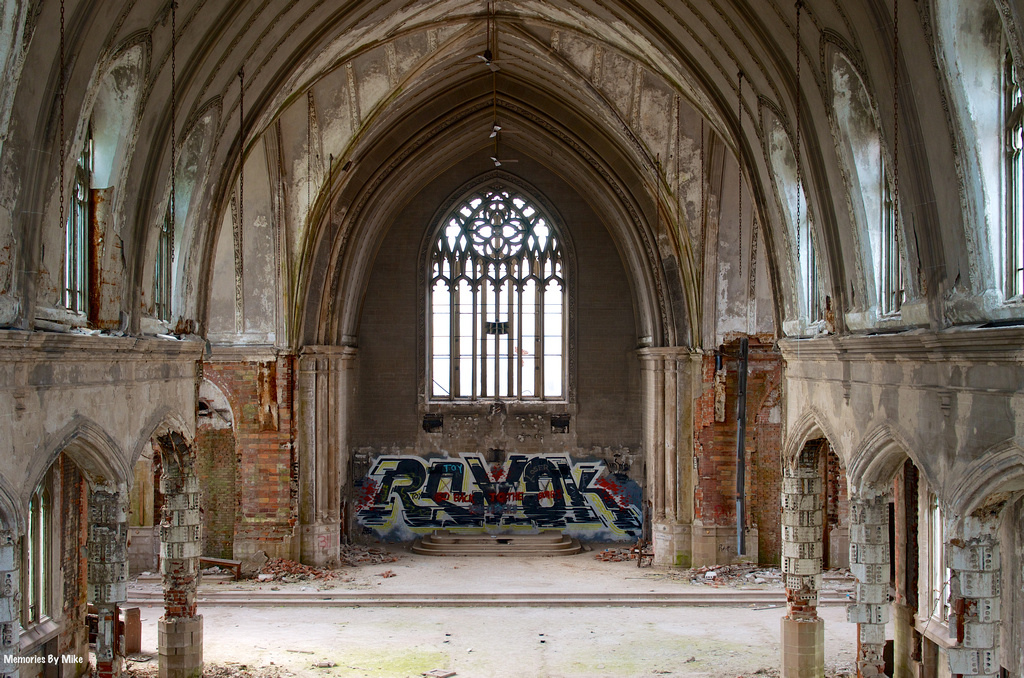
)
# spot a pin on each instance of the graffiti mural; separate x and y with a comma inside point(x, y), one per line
point(407, 496)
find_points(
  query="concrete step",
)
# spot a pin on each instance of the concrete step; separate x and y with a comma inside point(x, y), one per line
point(701, 597)
point(546, 543)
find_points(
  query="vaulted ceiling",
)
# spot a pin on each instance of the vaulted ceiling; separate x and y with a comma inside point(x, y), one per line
point(652, 103)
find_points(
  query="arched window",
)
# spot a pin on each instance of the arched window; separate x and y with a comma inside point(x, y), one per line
point(75, 290)
point(497, 300)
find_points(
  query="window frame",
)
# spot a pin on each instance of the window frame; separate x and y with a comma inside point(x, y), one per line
point(891, 284)
point(163, 267)
point(38, 554)
point(475, 401)
point(75, 279)
point(1013, 179)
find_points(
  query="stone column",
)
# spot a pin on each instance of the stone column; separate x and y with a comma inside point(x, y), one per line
point(108, 572)
point(10, 606)
point(325, 381)
point(803, 632)
point(670, 382)
point(869, 563)
point(180, 630)
point(972, 554)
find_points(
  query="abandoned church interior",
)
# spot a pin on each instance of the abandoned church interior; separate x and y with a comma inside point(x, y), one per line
point(740, 279)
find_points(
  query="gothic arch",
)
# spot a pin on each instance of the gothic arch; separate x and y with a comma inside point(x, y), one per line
point(90, 447)
point(811, 424)
point(999, 469)
point(879, 457)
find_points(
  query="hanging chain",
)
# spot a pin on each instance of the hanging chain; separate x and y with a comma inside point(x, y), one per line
point(895, 111)
point(241, 146)
point(174, 109)
point(60, 141)
point(739, 165)
point(799, 121)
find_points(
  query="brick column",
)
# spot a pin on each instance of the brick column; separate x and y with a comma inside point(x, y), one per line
point(972, 553)
point(325, 382)
point(869, 563)
point(10, 604)
point(108, 572)
point(180, 630)
point(670, 383)
point(803, 632)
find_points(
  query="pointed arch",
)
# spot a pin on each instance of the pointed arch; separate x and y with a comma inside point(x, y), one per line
point(810, 425)
point(880, 455)
point(86, 443)
point(162, 422)
point(998, 469)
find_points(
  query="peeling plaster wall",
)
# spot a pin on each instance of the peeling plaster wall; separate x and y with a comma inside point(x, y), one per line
point(1011, 539)
point(57, 387)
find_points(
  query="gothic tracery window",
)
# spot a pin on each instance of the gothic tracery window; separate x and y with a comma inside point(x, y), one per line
point(497, 301)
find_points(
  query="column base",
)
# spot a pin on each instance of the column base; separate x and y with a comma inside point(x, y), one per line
point(716, 545)
point(180, 647)
point(673, 544)
point(803, 648)
point(320, 544)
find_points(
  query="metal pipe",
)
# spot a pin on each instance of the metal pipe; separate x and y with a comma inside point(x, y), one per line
point(741, 456)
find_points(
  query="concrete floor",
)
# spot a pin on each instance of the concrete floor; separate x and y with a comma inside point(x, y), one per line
point(480, 642)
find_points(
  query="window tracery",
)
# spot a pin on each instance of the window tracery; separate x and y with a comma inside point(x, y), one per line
point(497, 300)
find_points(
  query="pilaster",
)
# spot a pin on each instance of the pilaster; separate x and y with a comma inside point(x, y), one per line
point(803, 632)
point(10, 604)
point(869, 563)
point(972, 554)
point(325, 380)
point(670, 382)
point(108, 572)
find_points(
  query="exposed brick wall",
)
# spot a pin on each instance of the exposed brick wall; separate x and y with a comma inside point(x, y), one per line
point(216, 466)
point(261, 400)
point(715, 444)
point(74, 530)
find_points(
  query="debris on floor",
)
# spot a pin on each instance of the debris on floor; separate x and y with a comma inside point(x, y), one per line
point(282, 569)
point(354, 555)
point(439, 673)
point(613, 555)
point(214, 670)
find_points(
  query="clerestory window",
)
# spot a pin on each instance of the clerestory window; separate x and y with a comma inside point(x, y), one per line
point(1014, 181)
point(497, 301)
point(163, 270)
point(890, 262)
point(75, 291)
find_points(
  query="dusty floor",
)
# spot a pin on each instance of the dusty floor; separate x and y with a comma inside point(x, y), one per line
point(481, 642)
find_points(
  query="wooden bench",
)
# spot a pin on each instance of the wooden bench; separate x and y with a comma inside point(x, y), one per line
point(235, 565)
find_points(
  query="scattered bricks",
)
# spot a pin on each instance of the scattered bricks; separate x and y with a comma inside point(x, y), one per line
point(872, 593)
point(801, 566)
point(870, 573)
point(869, 534)
point(964, 661)
point(979, 635)
point(872, 634)
point(867, 613)
point(804, 534)
point(802, 550)
point(977, 557)
point(979, 584)
point(869, 553)
point(986, 610)
point(802, 518)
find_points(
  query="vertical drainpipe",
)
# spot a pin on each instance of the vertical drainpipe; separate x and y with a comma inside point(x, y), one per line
point(741, 456)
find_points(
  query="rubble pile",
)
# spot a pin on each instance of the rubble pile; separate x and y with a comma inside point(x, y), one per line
point(733, 575)
point(614, 555)
point(282, 569)
point(354, 555)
